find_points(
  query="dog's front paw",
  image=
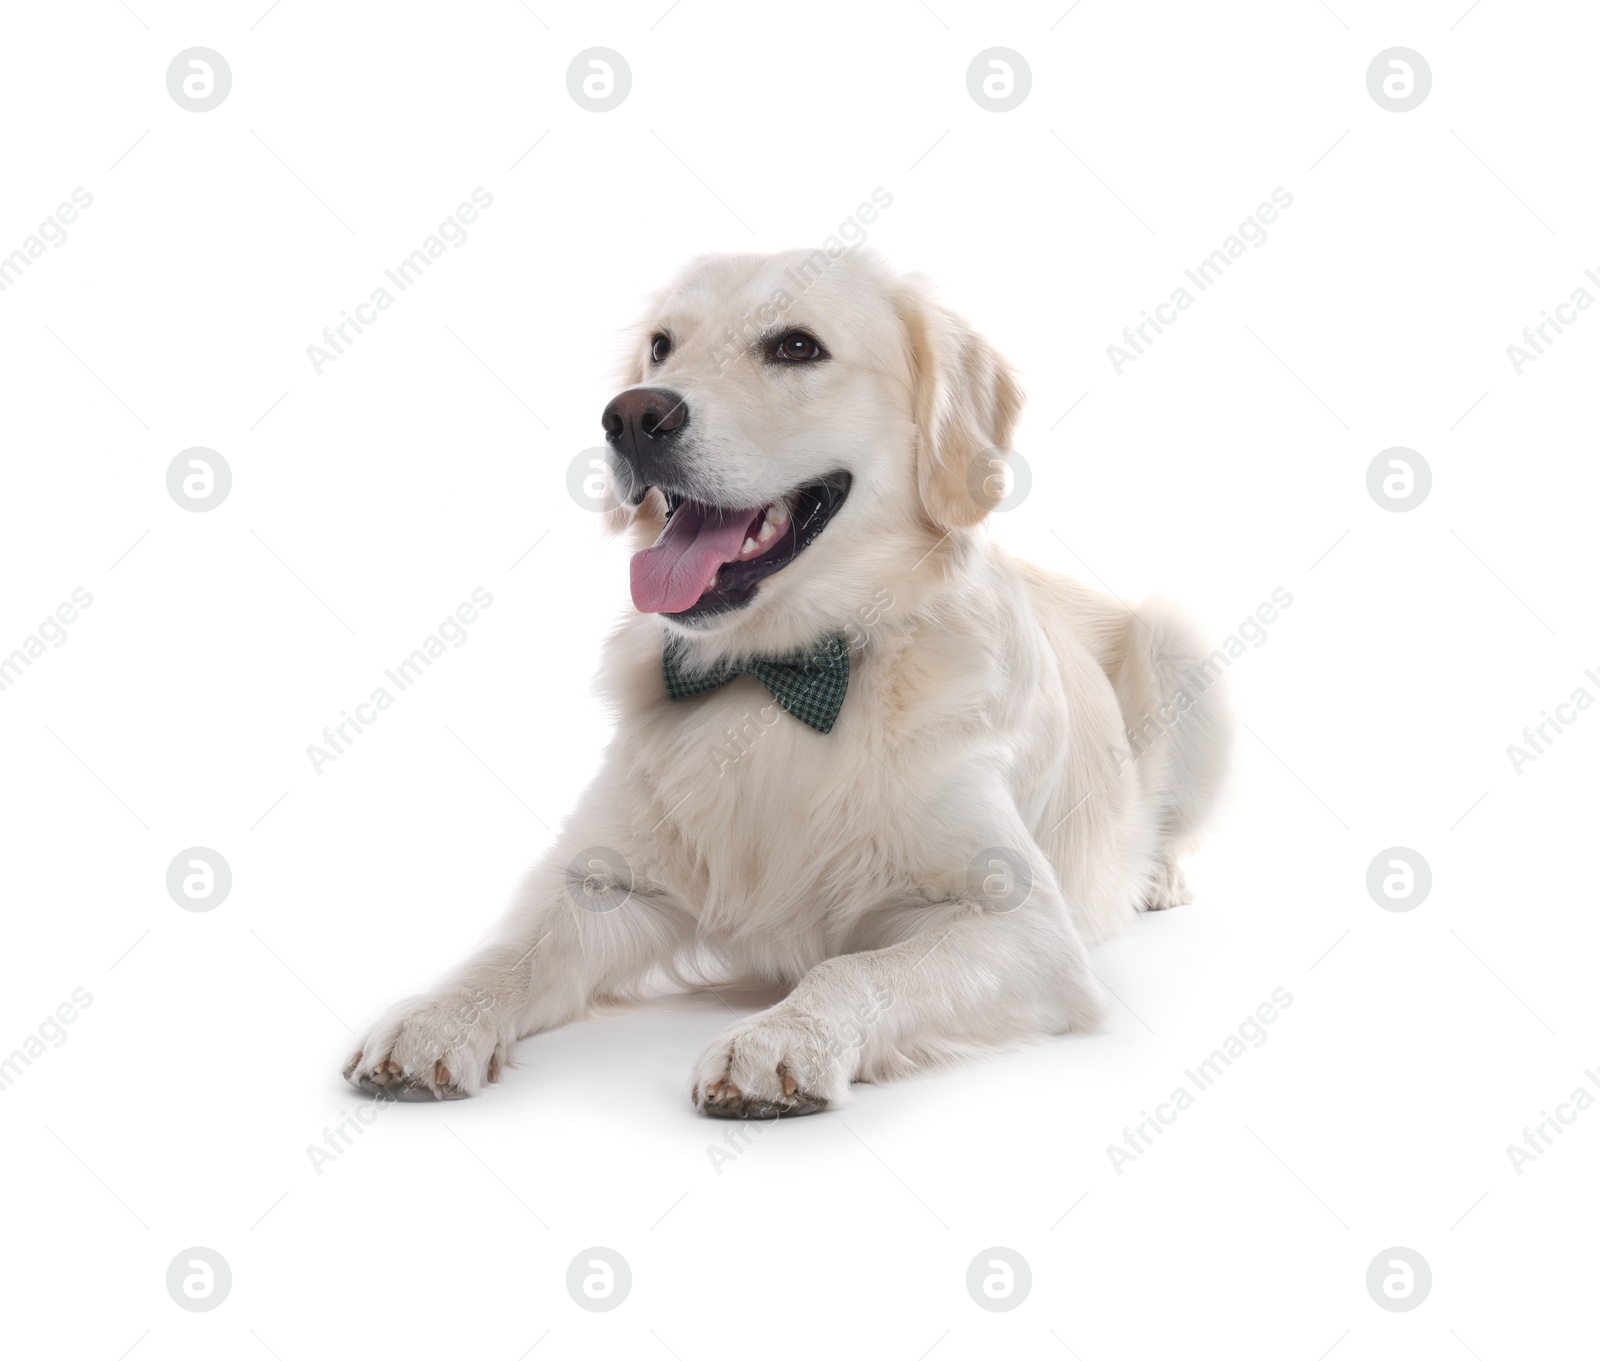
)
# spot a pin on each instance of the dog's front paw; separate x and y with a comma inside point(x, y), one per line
point(435, 1047)
point(773, 1064)
point(1167, 889)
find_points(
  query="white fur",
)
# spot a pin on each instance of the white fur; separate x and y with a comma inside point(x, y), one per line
point(990, 706)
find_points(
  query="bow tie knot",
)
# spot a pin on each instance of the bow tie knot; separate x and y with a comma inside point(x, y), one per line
point(809, 684)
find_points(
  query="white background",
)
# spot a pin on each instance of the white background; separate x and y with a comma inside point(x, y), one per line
point(430, 459)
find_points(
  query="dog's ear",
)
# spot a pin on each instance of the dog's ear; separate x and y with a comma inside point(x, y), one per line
point(965, 401)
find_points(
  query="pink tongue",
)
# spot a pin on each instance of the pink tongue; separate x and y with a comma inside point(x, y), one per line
point(676, 570)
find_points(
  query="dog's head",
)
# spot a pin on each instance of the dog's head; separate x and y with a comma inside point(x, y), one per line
point(795, 434)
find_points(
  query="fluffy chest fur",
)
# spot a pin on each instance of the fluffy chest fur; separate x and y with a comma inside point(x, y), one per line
point(788, 845)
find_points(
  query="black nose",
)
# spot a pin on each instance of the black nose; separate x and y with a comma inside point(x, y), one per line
point(641, 420)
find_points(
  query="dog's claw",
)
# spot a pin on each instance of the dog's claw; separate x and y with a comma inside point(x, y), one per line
point(725, 1101)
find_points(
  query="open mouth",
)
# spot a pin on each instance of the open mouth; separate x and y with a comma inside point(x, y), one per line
point(711, 558)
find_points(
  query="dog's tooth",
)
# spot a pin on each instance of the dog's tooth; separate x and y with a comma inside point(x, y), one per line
point(749, 546)
point(779, 514)
point(768, 529)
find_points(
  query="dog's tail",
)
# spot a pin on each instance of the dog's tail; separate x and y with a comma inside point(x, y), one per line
point(1172, 685)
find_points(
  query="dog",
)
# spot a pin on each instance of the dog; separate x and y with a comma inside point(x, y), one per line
point(861, 752)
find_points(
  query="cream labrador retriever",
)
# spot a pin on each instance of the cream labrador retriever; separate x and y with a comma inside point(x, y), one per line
point(860, 750)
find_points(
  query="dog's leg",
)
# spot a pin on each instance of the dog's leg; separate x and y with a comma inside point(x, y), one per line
point(969, 978)
point(575, 932)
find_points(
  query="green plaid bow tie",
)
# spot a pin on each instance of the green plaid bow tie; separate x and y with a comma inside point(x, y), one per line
point(808, 684)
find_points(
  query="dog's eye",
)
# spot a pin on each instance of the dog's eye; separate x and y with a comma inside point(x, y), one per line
point(797, 347)
point(660, 348)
